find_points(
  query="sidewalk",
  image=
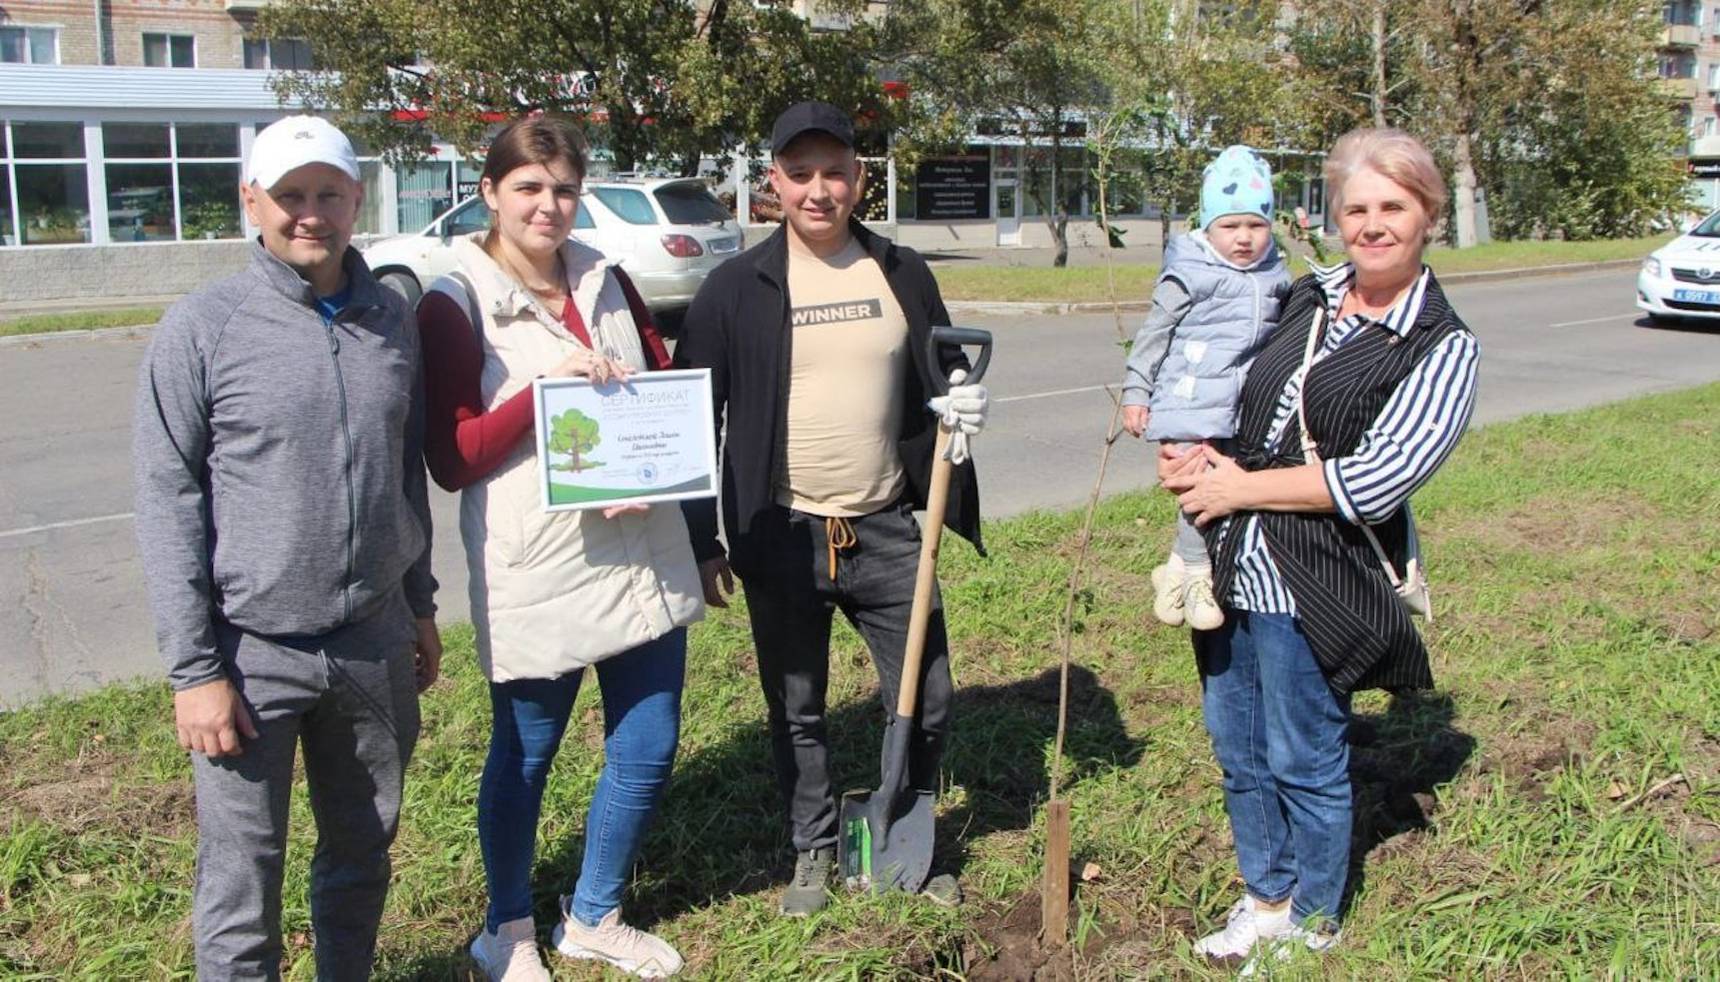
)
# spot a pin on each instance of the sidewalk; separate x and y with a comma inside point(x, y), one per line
point(1041, 256)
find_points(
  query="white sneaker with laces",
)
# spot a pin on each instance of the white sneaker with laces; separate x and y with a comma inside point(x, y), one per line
point(511, 953)
point(1244, 925)
point(1200, 608)
point(1169, 581)
point(613, 941)
point(1285, 947)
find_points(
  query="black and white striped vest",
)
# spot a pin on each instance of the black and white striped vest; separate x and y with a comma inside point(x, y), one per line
point(1359, 631)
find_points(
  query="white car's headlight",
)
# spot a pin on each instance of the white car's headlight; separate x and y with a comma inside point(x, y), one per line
point(1651, 266)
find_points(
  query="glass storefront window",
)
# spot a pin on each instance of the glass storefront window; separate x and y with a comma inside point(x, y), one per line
point(466, 185)
point(123, 140)
point(53, 203)
point(209, 201)
point(140, 202)
point(370, 209)
point(205, 140)
point(47, 140)
point(6, 232)
point(1073, 179)
point(423, 192)
point(904, 194)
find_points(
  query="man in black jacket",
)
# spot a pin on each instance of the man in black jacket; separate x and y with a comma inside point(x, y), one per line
point(818, 342)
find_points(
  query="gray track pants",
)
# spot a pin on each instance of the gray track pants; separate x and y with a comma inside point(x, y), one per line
point(350, 699)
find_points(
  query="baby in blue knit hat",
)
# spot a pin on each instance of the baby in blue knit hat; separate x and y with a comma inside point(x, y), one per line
point(1214, 305)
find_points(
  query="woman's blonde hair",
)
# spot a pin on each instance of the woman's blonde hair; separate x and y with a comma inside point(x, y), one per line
point(1393, 153)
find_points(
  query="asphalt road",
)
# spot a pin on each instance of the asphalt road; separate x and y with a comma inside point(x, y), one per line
point(72, 607)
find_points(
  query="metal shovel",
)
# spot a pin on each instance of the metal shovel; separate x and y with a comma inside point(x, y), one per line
point(886, 836)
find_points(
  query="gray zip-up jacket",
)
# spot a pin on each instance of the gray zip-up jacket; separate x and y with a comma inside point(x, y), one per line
point(278, 461)
point(1209, 319)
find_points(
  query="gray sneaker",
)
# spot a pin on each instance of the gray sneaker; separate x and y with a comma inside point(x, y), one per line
point(806, 893)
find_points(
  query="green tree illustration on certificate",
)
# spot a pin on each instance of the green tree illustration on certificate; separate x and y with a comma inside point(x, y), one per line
point(574, 435)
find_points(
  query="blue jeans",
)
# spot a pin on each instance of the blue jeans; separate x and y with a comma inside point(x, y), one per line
point(641, 725)
point(1278, 731)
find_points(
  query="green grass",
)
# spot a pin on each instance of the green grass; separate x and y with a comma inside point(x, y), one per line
point(79, 320)
point(1134, 281)
point(1577, 578)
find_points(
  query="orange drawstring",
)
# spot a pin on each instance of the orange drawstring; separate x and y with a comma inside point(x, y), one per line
point(840, 535)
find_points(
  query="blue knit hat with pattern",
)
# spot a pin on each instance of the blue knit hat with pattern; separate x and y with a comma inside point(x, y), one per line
point(1237, 182)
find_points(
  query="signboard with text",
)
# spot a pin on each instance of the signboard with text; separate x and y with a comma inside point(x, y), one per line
point(953, 187)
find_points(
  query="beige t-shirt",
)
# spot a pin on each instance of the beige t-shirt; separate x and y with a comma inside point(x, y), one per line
point(850, 349)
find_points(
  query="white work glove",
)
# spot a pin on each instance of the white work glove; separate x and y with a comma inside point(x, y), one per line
point(963, 410)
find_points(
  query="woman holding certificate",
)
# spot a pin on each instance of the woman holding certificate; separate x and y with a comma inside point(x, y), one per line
point(554, 592)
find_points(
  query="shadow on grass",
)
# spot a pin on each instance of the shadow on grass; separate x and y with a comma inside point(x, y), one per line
point(1397, 760)
point(722, 831)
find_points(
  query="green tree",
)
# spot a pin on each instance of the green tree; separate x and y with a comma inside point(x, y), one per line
point(1548, 105)
point(1030, 68)
point(574, 434)
point(657, 82)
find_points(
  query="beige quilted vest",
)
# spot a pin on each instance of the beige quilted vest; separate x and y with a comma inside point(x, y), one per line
point(554, 592)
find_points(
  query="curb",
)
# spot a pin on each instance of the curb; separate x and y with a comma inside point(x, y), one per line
point(1482, 276)
point(1017, 307)
point(1089, 307)
point(132, 332)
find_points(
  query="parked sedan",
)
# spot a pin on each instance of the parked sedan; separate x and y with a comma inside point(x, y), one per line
point(1682, 278)
point(667, 234)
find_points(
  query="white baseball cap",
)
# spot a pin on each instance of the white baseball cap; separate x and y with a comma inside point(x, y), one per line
point(288, 144)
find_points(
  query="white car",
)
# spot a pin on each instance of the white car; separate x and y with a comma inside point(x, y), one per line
point(1682, 277)
point(667, 234)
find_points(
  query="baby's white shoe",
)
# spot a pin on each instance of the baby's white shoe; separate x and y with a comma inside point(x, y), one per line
point(1200, 607)
point(1169, 582)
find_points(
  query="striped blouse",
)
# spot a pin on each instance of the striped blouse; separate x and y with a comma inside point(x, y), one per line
point(1413, 435)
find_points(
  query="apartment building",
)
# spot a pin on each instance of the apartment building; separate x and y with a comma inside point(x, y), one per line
point(1688, 60)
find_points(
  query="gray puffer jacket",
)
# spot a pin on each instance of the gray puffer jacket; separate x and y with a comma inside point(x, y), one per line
point(278, 461)
point(1231, 313)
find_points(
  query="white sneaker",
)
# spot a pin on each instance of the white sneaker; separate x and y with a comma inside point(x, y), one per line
point(1169, 581)
point(1244, 924)
point(1200, 608)
point(627, 948)
point(510, 954)
point(1285, 946)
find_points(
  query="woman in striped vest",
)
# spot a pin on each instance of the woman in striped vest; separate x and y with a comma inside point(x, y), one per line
point(1356, 401)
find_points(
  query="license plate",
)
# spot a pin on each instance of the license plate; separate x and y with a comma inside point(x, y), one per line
point(724, 244)
point(1696, 296)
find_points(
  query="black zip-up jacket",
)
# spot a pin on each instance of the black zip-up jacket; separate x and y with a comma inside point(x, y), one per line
point(738, 327)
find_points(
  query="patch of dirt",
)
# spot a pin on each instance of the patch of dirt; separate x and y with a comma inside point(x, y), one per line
point(1005, 946)
point(1702, 838)
point(94, 795)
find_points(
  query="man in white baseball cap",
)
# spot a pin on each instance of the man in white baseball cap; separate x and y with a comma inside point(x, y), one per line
point(284, 528)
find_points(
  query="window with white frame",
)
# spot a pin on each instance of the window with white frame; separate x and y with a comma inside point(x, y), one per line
point(44, 190)
point(169, 50)
point(168, 181)
point(278, 54)
point(23, 45)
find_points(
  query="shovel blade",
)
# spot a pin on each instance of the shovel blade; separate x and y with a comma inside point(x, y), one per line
point(881, 853)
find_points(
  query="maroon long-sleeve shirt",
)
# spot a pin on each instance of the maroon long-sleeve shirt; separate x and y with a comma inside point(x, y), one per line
point(464, 441)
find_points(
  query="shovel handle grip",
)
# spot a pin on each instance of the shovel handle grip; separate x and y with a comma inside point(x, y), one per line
point(961, 337)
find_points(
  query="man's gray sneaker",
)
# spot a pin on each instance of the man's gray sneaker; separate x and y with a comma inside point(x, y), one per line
point(806, 893)
point(944, 890)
